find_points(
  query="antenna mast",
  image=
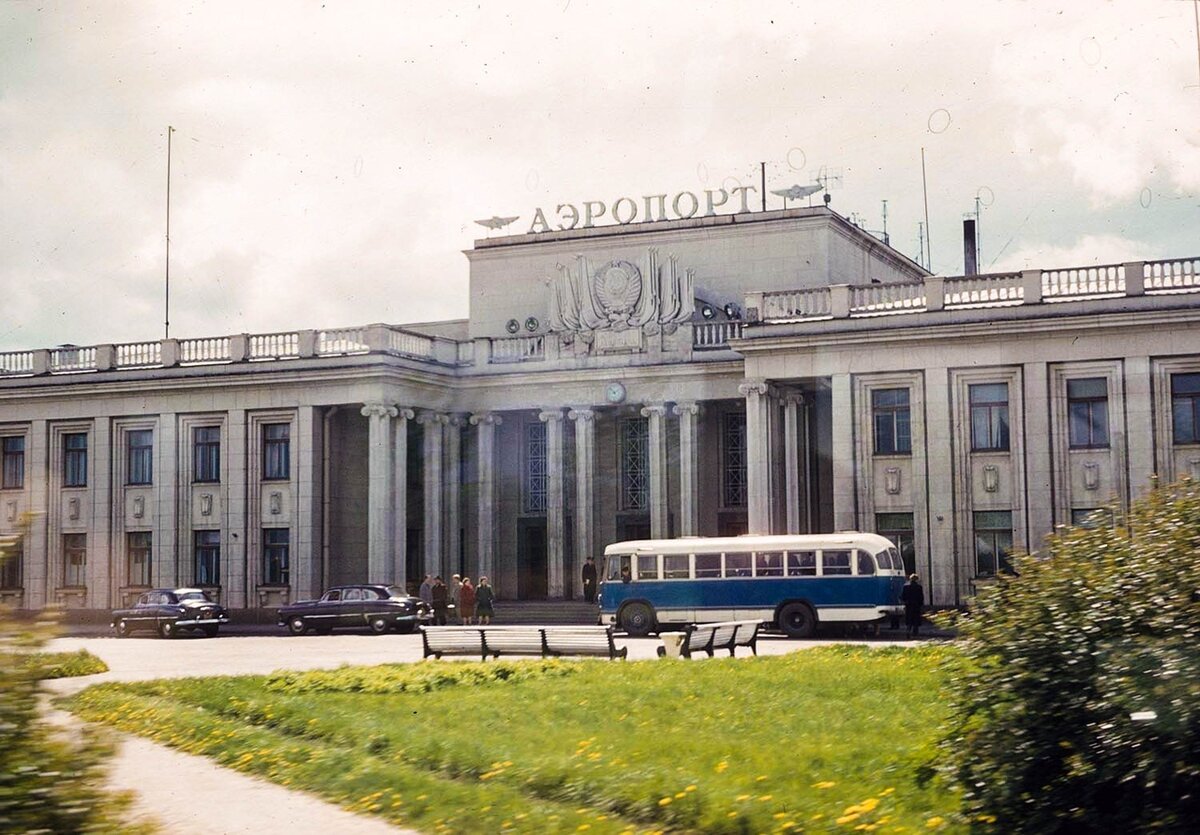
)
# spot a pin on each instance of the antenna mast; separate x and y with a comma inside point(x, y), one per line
point(925, 191)
point(167, 300)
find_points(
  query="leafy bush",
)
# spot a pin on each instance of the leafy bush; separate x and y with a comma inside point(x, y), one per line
point(1078, 708)
point(48, 665)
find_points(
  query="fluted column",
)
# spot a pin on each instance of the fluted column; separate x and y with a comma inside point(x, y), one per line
point(554, 501)
point(793, 414)
point(431, 425)
point(485, 426)
point(842, 415)
point(689, 488)
point(585, 475)
point(655, 415)
point(758, 456)
point(400, 496)
point(452, 494)
point(379, 491)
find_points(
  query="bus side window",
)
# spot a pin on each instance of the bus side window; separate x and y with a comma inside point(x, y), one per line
point(618, 567)
point(835, 563)
point(768, 564)
point(737, 565)
point(802, 563)
point(866, 565)
point(647, 566)
point(675, 566)
point(708, 565)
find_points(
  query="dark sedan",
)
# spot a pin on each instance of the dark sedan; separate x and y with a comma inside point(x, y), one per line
point(167, 611)
point(378, 608)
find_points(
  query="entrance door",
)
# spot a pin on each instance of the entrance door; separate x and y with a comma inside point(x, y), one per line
point(531, 559)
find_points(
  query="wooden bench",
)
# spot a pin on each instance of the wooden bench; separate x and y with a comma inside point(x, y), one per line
point(710, 637)
point(494, 641)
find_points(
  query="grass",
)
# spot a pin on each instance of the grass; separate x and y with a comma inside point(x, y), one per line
point(832, 739)
point(64, 664)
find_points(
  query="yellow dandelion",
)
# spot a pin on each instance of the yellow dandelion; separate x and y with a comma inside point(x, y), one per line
point(690, 788)
point(935, 822)
point(845, 819)
point(887, 791)
point(742, 797)
point(869, 804)
point(824, 784)
point(721, 766)
point(680, 794)
point(666, 801)
point(766, 797)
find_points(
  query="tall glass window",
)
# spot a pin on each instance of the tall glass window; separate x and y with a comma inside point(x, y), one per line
point(898, 527)
point(635, 464)
point(14, 462)
point(536, 472)
point(75, 446)
point(993, 542)
point(276, 542)
point(208, 557)
point(10, 566)
point(1185, 408)
point(137, 553)
point(206, 451)
point(989, 417)
point(139, 457)
point(74, 559)
point(733, 460)
point(277, 451)
point(890, 413)
point(1087, 413)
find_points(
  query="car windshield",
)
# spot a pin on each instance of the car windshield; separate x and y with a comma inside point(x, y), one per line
point(396, 591)
point(194, 595)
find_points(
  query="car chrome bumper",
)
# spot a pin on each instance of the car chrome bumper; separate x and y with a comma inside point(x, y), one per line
point(203, 621)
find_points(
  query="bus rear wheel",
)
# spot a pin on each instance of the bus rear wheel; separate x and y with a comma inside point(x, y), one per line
point(637, 620)
point(797, 620)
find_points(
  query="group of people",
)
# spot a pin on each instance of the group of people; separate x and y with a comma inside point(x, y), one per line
point(469, 601)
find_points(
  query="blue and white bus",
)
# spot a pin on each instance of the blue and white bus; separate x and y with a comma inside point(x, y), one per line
point(792, 583)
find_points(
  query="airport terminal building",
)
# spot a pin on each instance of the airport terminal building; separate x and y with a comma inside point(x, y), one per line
point(760, 371)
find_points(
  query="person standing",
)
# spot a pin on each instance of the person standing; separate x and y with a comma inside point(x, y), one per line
point(589, 580)
point(439, 596)
point(466, 602)
point(913, 598)
point(455, 589)
point(485, 602)
point(426, 591)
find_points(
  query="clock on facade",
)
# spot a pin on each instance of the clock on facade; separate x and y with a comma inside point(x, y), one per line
point(615, 393)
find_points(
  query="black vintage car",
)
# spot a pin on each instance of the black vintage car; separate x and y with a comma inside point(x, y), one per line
point(167, 611)
point(376, 607)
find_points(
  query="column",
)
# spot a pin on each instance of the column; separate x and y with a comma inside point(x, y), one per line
point(168, 529)
point(1039, 502)
point(305, 571)
point(689, 490)
point(554, 501)
point(379, 490)
point(431, 423)
point(793, 413)
point(842, 414)
point(1139, 424)
point(452, 494)
point(655, 415)
point(485, 425)
point(233, 480)
point(399, 497)
point(100, 544)
point(941, 572)
point(585, 474)
point(38, 574)
point(758, 445)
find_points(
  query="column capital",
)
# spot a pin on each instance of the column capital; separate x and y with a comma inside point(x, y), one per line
point(548, 415)
point(379, 410)
point(686, 407)
point(455, 419)
point(795, 397)
point(755, 387)
point(405, 413)
point(654, 409)
point(582, 414)
point(425, 418)
point(485, 418)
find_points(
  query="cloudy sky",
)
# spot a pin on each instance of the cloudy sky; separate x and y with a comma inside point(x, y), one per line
point(330, 158)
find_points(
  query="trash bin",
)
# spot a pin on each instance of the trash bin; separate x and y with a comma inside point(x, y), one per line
point(672, 642)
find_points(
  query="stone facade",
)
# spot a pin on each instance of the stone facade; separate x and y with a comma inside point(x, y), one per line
point(762, 372)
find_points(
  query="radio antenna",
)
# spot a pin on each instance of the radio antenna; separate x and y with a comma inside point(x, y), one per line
point(167, 300)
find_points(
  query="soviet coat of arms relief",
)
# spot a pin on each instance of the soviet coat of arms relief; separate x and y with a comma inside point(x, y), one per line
point(613, 306)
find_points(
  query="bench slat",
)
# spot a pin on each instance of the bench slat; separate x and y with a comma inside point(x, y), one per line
point(520, 640)
point(728, 635)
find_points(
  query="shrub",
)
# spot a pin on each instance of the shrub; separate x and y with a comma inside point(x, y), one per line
point(48, 665)
point(1078, 707)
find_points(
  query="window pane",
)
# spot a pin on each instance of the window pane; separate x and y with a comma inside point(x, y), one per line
point(980, 435)
point(835, 562)
point(1079, 417)
point(14, 463)
point(1000, 427)
point(647, 566)
point(276, 450)
point(988, 393)
point(866, 565)
point(675, 566)
point(993, 520)
point(884, 438)
point(1093, 387)
point(802, 563)
point(75, 459)
point(768, 564)
point(74, 559)
point(140, 462)
point(903, 432)
point(1185, 384)
point(708, 565)
point(635, 464)
point(893, 522)
point(985, 555)
point(733, 461)
point(275, 556)
point(1100, 423)
point(138, 551)
point(1183, 420)
point(737, 565)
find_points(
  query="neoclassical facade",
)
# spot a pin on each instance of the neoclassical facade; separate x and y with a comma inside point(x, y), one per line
point(777, 371)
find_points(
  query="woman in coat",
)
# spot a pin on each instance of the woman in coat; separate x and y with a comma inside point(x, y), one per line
point(485, 601)
point(913, 598)
point(466, 601)
point(441, 600)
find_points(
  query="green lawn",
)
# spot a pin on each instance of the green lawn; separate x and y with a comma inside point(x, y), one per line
point(832, 739)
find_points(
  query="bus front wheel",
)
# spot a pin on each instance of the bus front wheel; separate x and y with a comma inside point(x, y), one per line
point(797, 620)
point(637, 620)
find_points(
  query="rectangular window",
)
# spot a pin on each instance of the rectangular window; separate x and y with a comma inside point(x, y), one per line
point(1185, 409)
point(635, 464)
point(647, 566)
point(768, 564)
point(276, 542)
point(74, 559)
point(1091, 517)
point(708, 565)
point(75, 446)
point(208, 557)
point(802, 563)
point(737, 565)
point(11, 565)
point(277, 451)
point(733, 460)
point(206, 454)
point(993, 542)
point(898, 527)
point(1087, 413)
point(14, 462)
point(989, 417)
point(835, 563)
point(137, 552)
point(536, 474)
point(675, 566)
point(890, 414)
point(139, 456)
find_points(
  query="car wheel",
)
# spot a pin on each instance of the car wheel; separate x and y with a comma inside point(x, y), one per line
point(211, 631)
point(406, 628)
point(797, 620)
point(122, 628)
point(296, 626)
point(379, 625)
point(166, 629)
point(637, 620)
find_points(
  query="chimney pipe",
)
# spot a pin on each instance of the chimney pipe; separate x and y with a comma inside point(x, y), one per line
point(970, 257)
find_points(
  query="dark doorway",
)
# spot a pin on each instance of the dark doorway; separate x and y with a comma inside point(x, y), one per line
point(633, 527)
point(531, 559)
point(732, 523)
point(414, 559)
